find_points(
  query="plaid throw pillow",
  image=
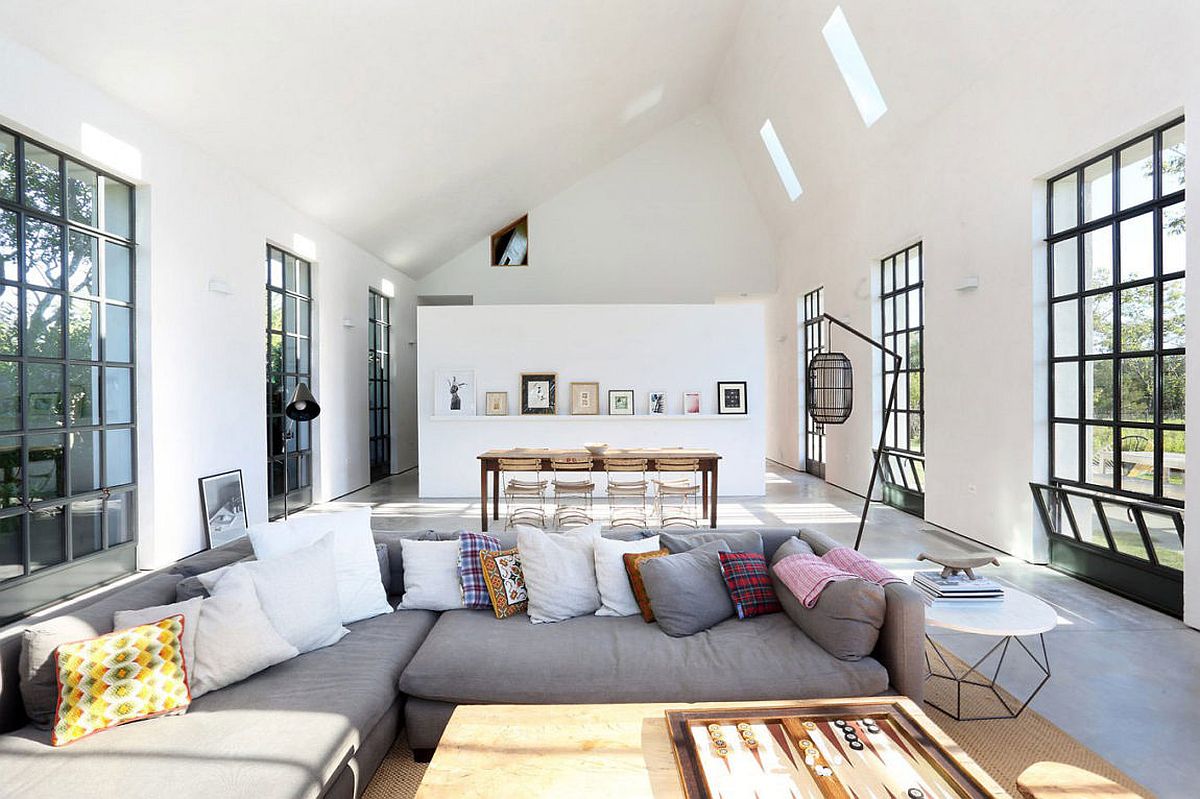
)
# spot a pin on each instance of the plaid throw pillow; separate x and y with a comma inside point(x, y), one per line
point(749, 584)
point(470, 570)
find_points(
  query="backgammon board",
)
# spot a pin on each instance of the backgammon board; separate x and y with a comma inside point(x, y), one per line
point(856, 751)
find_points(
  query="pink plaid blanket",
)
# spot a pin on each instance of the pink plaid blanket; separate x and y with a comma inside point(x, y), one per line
point(807, 575)
point(857, 563)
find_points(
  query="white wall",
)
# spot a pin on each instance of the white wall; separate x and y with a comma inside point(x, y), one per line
point(670, 348)
point(201, 355)
point(984, 104)
point(670, 221)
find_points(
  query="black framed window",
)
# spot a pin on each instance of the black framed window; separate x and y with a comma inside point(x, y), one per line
point(289, 362)
point(902, 325)
point(379, 384)
point(814, 342)
point(1116, 276)
point(68, 466)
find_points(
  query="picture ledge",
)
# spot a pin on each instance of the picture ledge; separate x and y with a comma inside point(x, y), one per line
point(566, 417)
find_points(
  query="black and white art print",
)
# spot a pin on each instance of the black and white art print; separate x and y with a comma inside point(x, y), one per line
point(657, 402)
point(539, 394)
point(731, 397)
point(454, 392)
point(223, 503)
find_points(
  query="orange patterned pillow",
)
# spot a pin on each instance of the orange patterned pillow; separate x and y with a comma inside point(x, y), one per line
point(505, 581)
point(633, 565)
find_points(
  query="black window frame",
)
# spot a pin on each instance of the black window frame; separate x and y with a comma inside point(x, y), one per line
point(289, 444)
point(814, 342)
point(892, 335)
point(379, 384)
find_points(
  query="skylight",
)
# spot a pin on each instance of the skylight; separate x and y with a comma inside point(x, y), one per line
point(783, 166)
point(853, 66)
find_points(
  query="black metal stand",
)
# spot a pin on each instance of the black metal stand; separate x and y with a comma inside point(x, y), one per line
point(984, 681)
point(897, 359)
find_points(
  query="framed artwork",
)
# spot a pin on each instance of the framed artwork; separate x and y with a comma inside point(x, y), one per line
point(495, 403)
point(585, 399)
point(620, 402)
point(454, 392)
point(223, 503)
point(510, 244)
point(731, 397)
point(657, 402)
point(538, 393)
point(691, 403)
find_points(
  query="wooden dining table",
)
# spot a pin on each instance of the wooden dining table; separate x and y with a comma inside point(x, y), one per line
point(489, 471)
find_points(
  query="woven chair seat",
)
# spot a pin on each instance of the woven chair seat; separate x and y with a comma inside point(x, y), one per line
point(676, 489)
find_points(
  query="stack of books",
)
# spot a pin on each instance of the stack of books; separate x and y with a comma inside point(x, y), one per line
point(959, 588)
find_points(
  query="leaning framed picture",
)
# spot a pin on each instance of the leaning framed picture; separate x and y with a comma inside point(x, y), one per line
point(454, 392)
point(538, 393)
point(731, 397)
point(495, 403)
point(691, 403)
point(223, 503)
point(585, 399)
point(656, 403)
point(620, 402)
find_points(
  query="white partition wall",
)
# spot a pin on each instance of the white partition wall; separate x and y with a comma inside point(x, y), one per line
point(668, 348)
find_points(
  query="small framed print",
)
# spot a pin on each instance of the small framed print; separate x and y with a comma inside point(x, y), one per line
point(691, 403)
point(223, 502)
point(731, 397)
point(538, 393)
point(585, 399)
point(454, 392)
point(657, 403)
point(495, 403)
point(620, 402)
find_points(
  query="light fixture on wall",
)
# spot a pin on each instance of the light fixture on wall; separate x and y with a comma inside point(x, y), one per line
point(302, 407)
point(829, 396)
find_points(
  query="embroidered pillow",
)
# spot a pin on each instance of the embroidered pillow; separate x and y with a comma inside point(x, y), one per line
point(749, 584)
point(633, 566)
point(505, 581)
point(470, 569)
point(117, 678)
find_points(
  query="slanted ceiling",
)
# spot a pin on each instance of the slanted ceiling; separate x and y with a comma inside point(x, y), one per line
point(414, 128)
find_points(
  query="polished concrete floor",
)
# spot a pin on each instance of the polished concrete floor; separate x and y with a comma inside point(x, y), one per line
point(1126, 679)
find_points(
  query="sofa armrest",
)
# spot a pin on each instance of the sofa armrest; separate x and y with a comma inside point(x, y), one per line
point(901, 646)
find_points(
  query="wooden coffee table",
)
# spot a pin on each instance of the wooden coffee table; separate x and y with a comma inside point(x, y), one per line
point(620, 751)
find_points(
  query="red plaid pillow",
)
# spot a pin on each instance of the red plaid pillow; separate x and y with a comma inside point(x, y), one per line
point(749, 584)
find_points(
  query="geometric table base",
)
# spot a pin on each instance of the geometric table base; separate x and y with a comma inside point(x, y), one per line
point(974, 675)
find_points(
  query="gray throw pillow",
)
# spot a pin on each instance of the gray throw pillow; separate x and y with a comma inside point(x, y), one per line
point(848, 615)
point(738, 541)
point(686, 591)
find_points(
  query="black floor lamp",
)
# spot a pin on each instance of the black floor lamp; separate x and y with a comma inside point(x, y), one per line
point(302, 407)
point(829, 391)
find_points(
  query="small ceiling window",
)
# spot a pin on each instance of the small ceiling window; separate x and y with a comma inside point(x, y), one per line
point(853, 66)
point(783, 166)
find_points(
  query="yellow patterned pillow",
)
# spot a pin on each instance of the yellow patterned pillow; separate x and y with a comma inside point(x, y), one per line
point(505, 581)
point(124, 676)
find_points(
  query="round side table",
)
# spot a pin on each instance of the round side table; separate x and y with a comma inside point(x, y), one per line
point(1015, 616)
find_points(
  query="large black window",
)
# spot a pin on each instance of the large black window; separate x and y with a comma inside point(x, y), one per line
point(67, 376)
point(379, 383)
point(814, 342)
point(289, 362)
point(902, 323)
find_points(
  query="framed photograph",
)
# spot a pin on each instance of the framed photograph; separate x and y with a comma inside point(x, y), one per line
point(510, 244)
point(657, 402)
point(620, 402)
point(223, 503)
point(538, 393)
point(495, 403)
point(585, 399)
point(731, 397)
point(454, 392)
point(691, 403)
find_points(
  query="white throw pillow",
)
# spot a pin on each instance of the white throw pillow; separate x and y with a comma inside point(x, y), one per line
point(234, 638)
point(298, 592)
point(560, 572)
point(189, 609)
point(616, 594)
point(430, 575)
point(360, 589)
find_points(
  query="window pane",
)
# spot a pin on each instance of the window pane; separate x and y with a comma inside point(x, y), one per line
point(43, 324)
point(303, 274)
point(1087, 521)
point(1174, 157)
point(1165, 537)
point(85, 462)
point(914, 391)
point(1137, 173)
point(1100, 455)
point(117, 334)
point(1126, 536)
point(118, 457)
point(43, 253)
point(44, 399)
point(1174, 242)
point(117, 208)
point(81, 194)
point(10, 311)
point(119, 513)
point(118, 395)
point(83, 333)
point(9, 246)
point(11, 558)
point(1066, 451)
point(1064, 202)
point(302, 317)
point(1137, 319)
point(1097, 190)
point(275, 268)
point(10, 395)
point(1065, 255)
point(914, 271)
point(1098, 323)
point(8, 185)
point(83, 255)
point(914, 432)
point(1137, 389)
point(901, 312)
point(117, 285)
point(1066, 390)
point(1099, 375)
point(1137, 248)
point(914, 354)
point(1174, 466)
point(43, 184)
point(87, 527)
point(10, 471)
point(1174, 319)
point(1174, 388)
point(47, 467)
point(1066, 328)
point(289, 314)
point(289, 272)
point(303, 364)
point(84, 390)
point(1137, 460)
point(47, 539)
point(1098, 258)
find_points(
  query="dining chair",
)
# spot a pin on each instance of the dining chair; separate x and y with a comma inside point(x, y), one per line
point(524, 493)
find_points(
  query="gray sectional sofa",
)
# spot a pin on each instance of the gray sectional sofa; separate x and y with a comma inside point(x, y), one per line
point(319, 725)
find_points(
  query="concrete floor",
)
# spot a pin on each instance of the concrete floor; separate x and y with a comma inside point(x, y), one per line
point(1126, 679)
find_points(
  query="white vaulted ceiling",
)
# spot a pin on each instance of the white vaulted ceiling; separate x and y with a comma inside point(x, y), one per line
point(414, 129)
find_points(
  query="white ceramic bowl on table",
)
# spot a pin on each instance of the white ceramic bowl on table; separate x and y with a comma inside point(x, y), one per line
point(596, 449)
